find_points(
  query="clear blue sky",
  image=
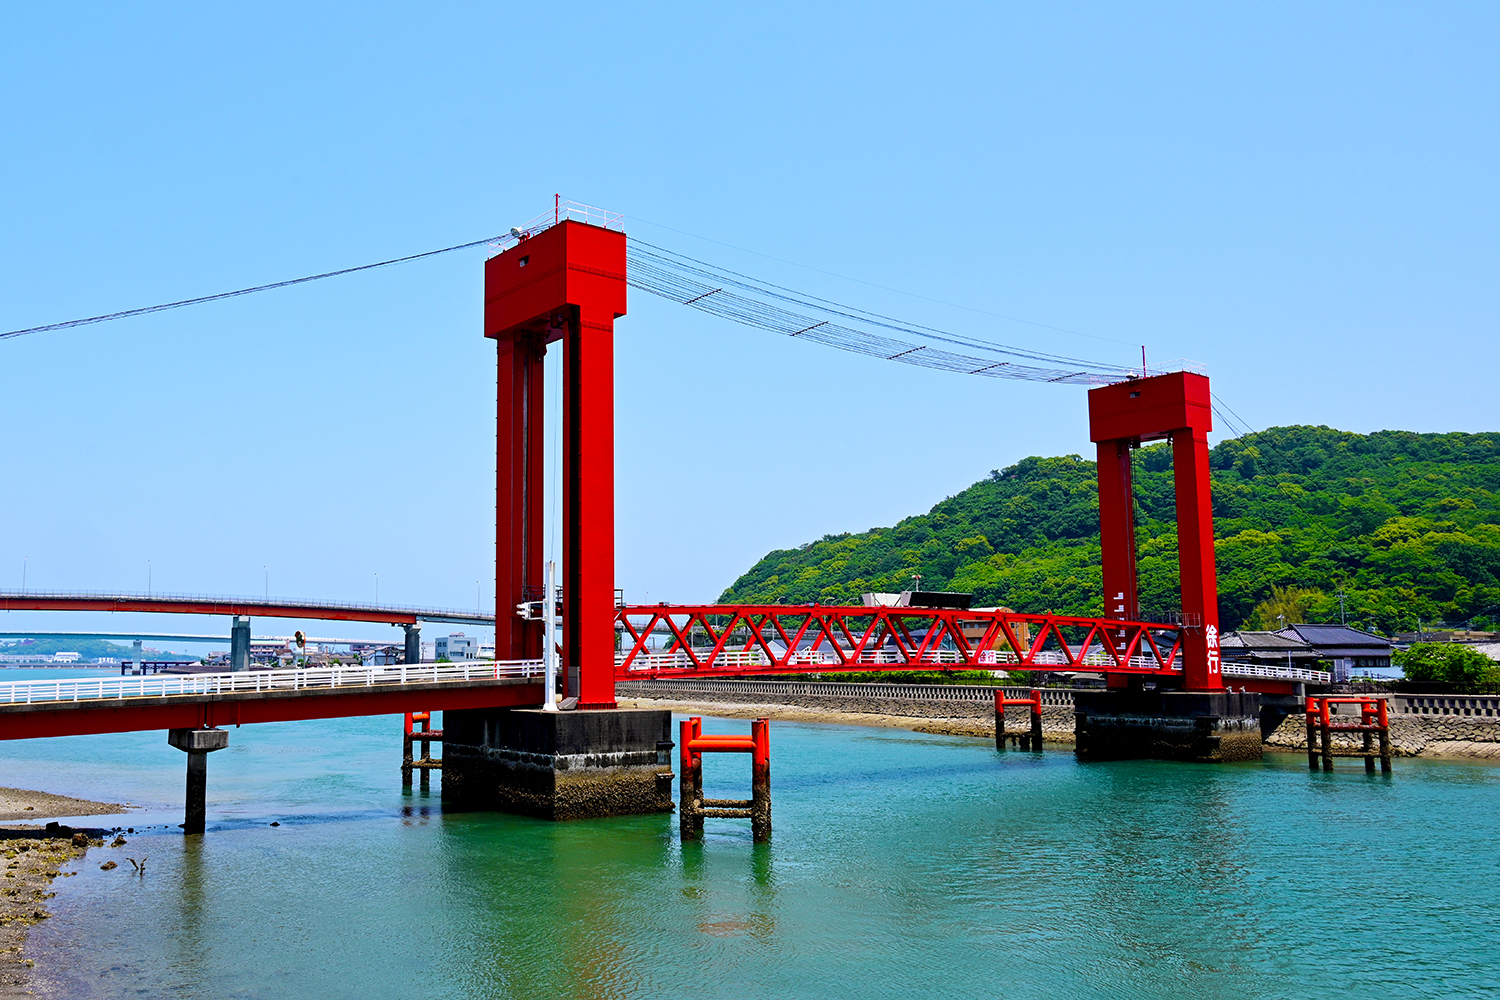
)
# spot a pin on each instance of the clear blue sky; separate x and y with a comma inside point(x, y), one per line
point(1301, 197)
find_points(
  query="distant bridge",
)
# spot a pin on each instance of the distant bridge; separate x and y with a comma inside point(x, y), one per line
point(200, 604)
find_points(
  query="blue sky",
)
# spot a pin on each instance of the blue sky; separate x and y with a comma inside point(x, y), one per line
point(1300, 197)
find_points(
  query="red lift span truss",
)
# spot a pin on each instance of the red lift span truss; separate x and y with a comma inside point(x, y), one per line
point(722, 640)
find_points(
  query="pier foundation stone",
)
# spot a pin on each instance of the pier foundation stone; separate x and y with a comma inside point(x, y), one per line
point(558, 765)
point(1168, 725)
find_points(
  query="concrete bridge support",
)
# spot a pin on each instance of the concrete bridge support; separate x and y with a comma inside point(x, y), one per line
point(198, 744)
point(558, 765)
point(239, 644)
point(1205, 726)
point(413, 642)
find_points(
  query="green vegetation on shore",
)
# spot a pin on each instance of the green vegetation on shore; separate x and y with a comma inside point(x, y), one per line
point(1406, 525)
point(1460, 667)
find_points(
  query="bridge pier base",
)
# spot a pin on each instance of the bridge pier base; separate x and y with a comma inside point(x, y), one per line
point(558, 765)
point(1208, 726)
point(198, 744)
point(413, 642)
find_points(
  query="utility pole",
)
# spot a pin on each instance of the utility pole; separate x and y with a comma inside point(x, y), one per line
point(1342, 619)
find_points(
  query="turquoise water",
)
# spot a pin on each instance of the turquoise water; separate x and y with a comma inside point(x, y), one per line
point(902, 865)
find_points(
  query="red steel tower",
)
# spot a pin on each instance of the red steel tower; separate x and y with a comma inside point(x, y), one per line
point(1121, 417)
point(565, 283)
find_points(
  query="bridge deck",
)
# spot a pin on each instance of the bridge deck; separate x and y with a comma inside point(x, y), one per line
point(202, 604)
point(80, 706)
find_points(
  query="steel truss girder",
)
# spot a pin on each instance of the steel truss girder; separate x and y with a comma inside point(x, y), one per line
point(749, 639)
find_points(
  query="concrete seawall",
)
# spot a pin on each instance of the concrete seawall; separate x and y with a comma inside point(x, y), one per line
point(1455, 726)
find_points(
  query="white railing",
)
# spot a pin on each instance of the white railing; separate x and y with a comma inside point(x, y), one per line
point(245, 681)
point(1280, 673)
point(1052, 658)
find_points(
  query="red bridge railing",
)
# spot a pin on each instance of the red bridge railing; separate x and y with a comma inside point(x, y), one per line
point(736, 640)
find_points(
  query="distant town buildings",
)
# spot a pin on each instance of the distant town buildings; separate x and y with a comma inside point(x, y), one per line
point(1347, 651)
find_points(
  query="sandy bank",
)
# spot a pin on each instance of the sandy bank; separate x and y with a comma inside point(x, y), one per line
point(20, 803)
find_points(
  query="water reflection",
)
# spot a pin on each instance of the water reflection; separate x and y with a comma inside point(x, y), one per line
point(902, 867)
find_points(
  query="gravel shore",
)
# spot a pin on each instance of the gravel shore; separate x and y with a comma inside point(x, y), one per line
point(29, 860)
point(31, 856)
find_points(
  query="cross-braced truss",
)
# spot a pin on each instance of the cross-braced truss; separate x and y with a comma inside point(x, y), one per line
point(730, 640)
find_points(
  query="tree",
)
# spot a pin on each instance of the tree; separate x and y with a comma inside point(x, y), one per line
point(1286, 606)
point(1467, 669)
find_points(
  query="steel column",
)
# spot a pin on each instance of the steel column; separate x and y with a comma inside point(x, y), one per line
point(589, 505)
point(1117, 531)
point(518, 494)
point(1201, 666)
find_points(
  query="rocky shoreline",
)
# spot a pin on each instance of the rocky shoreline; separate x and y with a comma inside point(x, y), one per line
point(33, 856)
point(1411, 736)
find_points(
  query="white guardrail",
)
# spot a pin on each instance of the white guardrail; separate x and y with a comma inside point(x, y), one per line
point(728, 660)
point(246, 681)
point(1279, 673)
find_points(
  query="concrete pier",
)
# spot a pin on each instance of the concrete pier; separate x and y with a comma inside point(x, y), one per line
point(558, 765)
point(413, 642)
point(239, 644)
point(198, 744)
point(1167, 725)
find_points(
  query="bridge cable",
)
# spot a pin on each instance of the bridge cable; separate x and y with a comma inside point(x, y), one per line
point(764, 305)
point(68, 324)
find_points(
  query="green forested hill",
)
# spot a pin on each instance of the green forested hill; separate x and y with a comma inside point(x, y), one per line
point(1406, 525)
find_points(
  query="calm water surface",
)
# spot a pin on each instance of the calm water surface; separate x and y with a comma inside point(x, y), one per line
point(903, 865)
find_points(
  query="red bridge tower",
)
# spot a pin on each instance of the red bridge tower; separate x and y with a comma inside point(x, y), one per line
point(565, 283)
point(1121, 417)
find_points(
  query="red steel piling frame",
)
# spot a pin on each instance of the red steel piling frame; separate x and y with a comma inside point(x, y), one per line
point(1121, 417)
point(565, 283)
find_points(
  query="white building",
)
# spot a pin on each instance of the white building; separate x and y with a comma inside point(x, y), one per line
point(66, 657)
point(456, 646)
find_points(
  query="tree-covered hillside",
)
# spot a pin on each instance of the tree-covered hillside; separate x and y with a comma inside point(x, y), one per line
point(1406, 525)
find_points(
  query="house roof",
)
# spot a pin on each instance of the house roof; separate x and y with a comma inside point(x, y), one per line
point(1339, 640)
point(1264, 642)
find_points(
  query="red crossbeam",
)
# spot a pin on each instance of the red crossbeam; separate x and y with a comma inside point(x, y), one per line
point(737, 640)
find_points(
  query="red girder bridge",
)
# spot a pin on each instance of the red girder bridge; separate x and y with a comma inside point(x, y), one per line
point(564, 279)
point(715, 640)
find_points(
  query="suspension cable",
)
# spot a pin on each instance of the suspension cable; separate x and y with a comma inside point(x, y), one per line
point(68, 324)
